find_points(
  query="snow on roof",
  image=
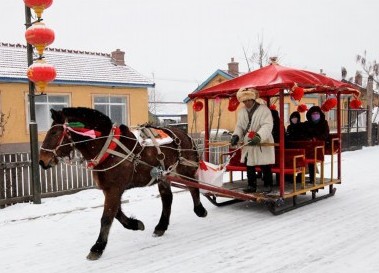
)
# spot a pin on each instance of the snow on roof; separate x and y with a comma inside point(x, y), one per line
point(73, 67)
point(168, 109)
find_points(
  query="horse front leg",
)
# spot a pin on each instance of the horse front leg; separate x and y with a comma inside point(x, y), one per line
point(129, 223)
point(197, 205)
point(111, 206)
point(166, 197)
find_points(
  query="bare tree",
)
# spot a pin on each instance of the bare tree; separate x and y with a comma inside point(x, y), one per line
point(371, 68)
point(261, 56)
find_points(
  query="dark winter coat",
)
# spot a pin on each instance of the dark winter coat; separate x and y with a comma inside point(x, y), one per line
point(295, 131)
point(316, 130)
point(276, 127)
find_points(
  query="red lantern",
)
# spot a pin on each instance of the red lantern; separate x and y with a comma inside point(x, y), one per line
point(233, 104)
point(297, 93)
point(329, 104)
point(302, 108)
point(324, 108)
point(39, 36)
point(355, 104)
point(38, 5)
point(197, 106)
point(41, 74)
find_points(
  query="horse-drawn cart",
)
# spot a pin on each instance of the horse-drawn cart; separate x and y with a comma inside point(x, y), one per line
point(121, 160)
point(274, 82)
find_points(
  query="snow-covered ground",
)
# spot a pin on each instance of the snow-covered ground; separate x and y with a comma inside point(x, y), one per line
point(339, 234)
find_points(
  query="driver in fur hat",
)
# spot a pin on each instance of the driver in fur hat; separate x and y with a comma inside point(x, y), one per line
point(254, 126)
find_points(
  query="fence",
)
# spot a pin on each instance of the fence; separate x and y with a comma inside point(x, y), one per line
point(16, 183)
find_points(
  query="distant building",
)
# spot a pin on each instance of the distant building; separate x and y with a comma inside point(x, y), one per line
point(166, 113)
point(88, 79)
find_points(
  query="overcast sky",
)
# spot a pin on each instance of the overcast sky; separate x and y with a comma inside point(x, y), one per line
point(181, 43)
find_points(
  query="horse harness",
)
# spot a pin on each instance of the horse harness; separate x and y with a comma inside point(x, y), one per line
point(113, 141)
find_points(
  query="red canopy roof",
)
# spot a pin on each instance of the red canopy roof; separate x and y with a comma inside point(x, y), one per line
point(273, 78)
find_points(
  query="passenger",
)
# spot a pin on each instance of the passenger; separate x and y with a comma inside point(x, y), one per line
point(316, 128)
point(295, 130)
point(254, 125)
point(276, 127)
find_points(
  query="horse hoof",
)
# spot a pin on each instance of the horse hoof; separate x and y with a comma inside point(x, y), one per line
point(92, 256)
point(140, 226)
point(200, 211)
point(158, 233)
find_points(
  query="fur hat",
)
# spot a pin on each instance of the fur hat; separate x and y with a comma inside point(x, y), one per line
point(245, 94)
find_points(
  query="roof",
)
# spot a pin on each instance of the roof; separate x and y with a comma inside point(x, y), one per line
point(218, 72)
point(73, 67)
point(168, 109)
point(274, 78)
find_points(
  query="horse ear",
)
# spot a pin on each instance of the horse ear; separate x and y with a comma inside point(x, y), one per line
point(57, 116)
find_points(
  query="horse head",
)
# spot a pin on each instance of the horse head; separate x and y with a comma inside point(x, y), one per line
point(56, 143)
point(71, 126)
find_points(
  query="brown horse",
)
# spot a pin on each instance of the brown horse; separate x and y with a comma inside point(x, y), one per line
point(120, 162)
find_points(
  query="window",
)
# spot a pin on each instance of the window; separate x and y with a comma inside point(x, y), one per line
point(43, 104)
point(309, 105)
point(114, 107)
point(286, 113)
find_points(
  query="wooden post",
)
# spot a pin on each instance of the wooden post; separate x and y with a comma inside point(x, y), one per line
point(370, 83)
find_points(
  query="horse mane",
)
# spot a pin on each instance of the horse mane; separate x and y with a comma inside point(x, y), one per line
point(91, 118)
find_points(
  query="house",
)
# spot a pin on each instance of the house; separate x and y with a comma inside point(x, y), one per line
point(219, 115)
point(168, 113)
point(88, 79)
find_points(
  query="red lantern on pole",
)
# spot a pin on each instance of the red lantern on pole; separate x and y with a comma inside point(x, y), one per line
point(41, 74)
point(39, 36)
point(38, 6)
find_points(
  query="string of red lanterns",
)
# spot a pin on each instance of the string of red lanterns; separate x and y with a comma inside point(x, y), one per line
point(40, 36)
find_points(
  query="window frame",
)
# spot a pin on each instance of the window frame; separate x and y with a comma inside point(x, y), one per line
point(125, 104)
point(27, 110)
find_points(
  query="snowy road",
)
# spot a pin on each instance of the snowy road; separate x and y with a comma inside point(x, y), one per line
point(339, 234)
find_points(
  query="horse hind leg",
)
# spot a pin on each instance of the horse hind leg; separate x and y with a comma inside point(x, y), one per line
point(111, 206)
point(129, 223)
point(166, 197)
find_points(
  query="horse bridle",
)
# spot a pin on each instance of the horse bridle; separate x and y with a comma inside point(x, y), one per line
point(65, 133)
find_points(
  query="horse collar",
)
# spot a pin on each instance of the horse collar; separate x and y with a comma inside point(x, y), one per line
point(110, 145)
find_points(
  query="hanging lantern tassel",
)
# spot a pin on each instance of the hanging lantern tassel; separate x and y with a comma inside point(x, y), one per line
point(39, 36)
point(197, 106)
point(41, 74)
point(38, 6)
point(233, 104)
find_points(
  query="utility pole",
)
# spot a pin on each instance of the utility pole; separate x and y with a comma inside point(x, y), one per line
point(33, 128)
point(370, 83)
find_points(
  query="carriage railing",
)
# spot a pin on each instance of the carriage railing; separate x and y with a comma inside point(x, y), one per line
point(217, 147)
